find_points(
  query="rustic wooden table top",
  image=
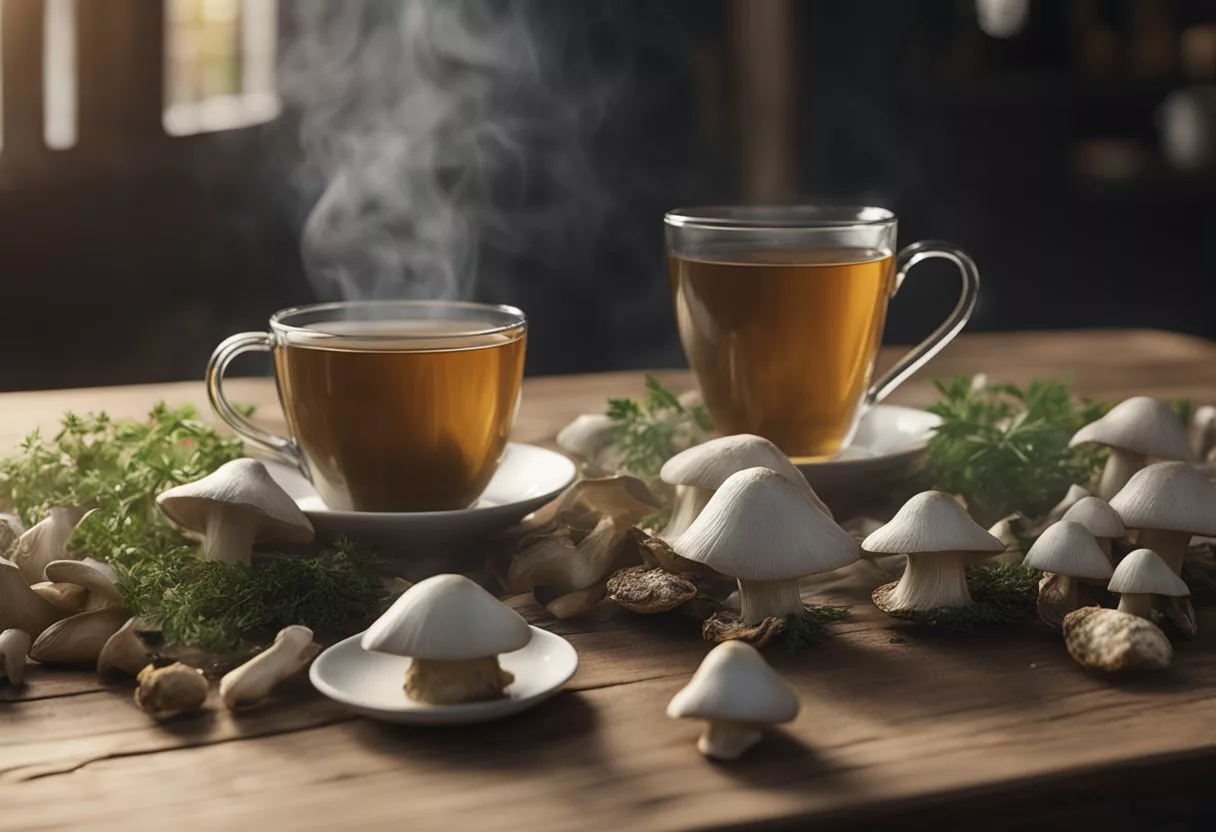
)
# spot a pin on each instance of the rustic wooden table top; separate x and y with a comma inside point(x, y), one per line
point(994, 730)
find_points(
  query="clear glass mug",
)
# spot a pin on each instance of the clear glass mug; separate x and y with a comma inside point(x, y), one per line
point(781, 310)
point(391, 405)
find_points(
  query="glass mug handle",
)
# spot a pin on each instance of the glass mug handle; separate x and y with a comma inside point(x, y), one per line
point(944, 334)
point(280, 447)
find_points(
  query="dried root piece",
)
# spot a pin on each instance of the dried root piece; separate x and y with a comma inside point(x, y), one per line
point(165, 692)
point(452, 682)
point(726, 626)
point(645, 590)
point(1109, 640)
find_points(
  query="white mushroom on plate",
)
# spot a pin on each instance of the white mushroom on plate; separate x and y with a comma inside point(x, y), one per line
point(1139, 577)
point(1068, 552)
point(738, 694)
point(702, 469)
point(253, 681)
point(20, 606)
point(45, 542)
point(236, 506)
point(453, 631)
point(1103, 522)
point(761, 529)
point(1168, 503)
point(1135, 430)
point(14, 648)
point(938, 536)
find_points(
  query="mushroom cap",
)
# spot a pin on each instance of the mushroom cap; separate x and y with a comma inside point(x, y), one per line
point(99, 579)
point(244, 484)
point(587, 434)
point(1095, 514)
point(735, 683)
point(1143, 572)
point(1142, 425)
point(447, 618)
point(709, 464)
point(1068, 548)
point(932, 521)
point(759, 527)
point(1168, 496)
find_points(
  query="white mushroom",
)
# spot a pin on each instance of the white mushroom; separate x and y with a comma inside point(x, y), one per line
point(760, 529)
point(1069, 551)
point(253, 681)
point(20, 606)
point(99, 580)
point(937, 535)
point(124, 651)
point(1075, 494)
point(1168, 503)
point(1203, 431)
point(236, 506)
point(589, 439)
point(14, 647)
point(738, 694)
point(1140, 576)
point(1135, 430)
point(79, 639)
point(453, 631)
point(45, 542)
point(1103, 522)
point(699, 471)
point(165, 692)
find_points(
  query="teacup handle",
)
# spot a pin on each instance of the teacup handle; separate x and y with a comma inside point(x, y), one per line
point(944, 334)
point(280, 447)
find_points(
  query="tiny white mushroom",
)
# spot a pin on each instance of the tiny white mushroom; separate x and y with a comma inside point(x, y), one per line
point(45, 542)
point(1069, 551)
point(1168, 503)
point(20, 606)
point(1075, 494)
point(938, 536)
point(1103, 522)
point(760, 529)
point(14, 647)
point(253, 681)
point(236, 506)
point(1203, 431)
point(702, 469)
point(1140, 576)
point(124, 651)
point(453, 631)
point(78, 639)
point(738, 694)
point(1135, 430)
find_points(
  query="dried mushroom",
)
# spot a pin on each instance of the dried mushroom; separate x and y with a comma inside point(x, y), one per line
point(725, 625)
point(292, 650)
point(646, 590)
point(555, 560)
point(1110, 640)
point(166, 692)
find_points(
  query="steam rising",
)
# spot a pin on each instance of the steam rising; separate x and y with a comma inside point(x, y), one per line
point(415, 119)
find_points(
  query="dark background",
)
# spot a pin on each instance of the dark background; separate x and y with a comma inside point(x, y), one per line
point(126, 258)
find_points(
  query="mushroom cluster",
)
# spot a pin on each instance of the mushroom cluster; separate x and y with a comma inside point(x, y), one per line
point(1067, 552)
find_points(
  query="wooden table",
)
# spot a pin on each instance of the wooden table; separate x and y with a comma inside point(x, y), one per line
point(998, 730)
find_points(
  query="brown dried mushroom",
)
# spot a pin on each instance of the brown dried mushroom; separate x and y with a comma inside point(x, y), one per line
point(645, 590)
point(165, 692)
point(1109, 640)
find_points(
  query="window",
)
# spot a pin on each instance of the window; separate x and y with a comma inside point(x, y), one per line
point(219, 64)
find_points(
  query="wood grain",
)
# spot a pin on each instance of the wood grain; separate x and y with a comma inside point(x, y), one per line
point(901, 729)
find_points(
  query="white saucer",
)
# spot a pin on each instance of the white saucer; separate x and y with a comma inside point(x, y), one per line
point(372, 683)
point(887, 443)
point(527, 478)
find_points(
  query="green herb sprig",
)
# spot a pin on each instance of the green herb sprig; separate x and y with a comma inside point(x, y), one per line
point(651, 431)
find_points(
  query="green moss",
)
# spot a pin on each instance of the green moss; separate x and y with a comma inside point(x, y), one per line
point(1002, 594)
point(811, 626)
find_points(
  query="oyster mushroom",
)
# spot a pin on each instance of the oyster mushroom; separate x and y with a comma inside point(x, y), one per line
point(1069, 552)
point(938, 536)
point(97, 579)
point(1110, 641)
point(124, 652)
point(1140, 576)
point(253, 681)
point(1103, 522)
point(166, 692)
point(453, 631)
point(45, 542)
point(1168, 503)
point(738, 694)
point(79, 639)
point(760, 529)
point(236, 506)
point(1134, 430)
point(20, 606)
point(14, 647)
point(646, 590)
point(702, 469)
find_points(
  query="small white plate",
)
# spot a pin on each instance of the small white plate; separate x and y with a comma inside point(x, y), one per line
point(888, 440)
point(372, 684)
point(527, 478)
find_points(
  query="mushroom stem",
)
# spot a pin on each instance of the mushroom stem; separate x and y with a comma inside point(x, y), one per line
point(1120, 466)
point(1069, 592)
point(769, 599)
point(230, 535)
point(1171, 546)
point(932, 580)
point(1137, 603)
point(14, 647)
point(253, 681)
point(689, 501)
point(438, 682)
point(725, 739)
point(1105, 544)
